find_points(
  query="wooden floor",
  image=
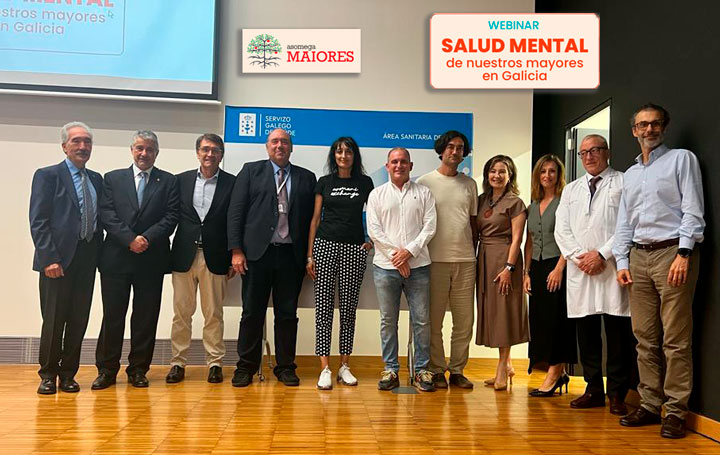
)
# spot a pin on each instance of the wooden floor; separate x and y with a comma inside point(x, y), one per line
point(195, 417)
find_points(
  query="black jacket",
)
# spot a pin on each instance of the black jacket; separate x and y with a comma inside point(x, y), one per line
point(213, 228)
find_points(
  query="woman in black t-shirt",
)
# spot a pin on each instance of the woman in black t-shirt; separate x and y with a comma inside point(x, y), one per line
point(337, 251)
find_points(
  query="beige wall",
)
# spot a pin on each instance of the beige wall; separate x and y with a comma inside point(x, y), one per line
point(394, 77)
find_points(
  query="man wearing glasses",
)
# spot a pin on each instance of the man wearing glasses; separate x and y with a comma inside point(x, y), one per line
point(659, 222)
point(200, 258)
point(584, 230)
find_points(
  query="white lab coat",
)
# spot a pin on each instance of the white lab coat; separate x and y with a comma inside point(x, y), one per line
point(583, 225)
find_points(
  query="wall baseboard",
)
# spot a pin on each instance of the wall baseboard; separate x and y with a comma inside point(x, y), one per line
point(24, 350)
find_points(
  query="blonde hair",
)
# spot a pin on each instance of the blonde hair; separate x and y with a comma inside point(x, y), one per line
point(536, 190)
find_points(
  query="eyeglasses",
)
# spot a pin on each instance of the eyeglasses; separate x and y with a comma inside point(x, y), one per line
point(655, 124)
point(593, 151)
point(209, 150)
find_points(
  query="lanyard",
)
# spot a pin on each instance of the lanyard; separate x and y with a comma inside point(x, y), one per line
point(279, 188)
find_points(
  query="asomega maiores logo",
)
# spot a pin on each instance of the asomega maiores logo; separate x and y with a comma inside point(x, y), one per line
point(264, 51)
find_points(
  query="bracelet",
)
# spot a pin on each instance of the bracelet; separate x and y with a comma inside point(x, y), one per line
point(309, 260)
point(526, 271)
point(510, 267)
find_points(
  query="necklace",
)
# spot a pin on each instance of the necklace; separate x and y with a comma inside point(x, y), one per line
point(488, 213)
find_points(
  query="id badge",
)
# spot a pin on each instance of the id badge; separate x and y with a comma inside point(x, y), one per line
point(281, 208)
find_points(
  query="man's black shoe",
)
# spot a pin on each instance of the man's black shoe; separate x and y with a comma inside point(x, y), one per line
point(617, 406)
point(215, 375)
point(673, 427)
point(241, 379)
point(289, 378)
point(176, 374)
point(138, 380)
point(103, 381)
point(588, 400)
point(458, 380)
point(439, 381)
point(639, 418)
point(47, 387)
point(69, 385)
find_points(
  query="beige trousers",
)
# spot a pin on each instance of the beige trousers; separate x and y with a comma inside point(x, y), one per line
point(212, 293)
point(662, 324)
point(452, 284)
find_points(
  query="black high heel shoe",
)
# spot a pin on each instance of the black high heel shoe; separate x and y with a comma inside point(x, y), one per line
point(564, 379)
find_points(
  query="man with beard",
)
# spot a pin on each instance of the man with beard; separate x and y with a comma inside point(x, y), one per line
point(659, 222)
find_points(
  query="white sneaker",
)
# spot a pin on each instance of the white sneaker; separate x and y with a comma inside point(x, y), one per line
point(325, 380)
point(345, 376)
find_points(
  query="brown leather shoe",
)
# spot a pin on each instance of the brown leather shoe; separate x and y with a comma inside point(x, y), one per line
point(459, 380)
point(673, 427)
point(640, 417)
point(617, 406)
point(588, 400)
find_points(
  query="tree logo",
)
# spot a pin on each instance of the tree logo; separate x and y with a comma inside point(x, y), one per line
point(264, 50)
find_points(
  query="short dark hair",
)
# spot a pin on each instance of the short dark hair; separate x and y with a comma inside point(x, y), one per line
point(651, 107)
point(442, 142)
point(211, 137)
point(331, 166)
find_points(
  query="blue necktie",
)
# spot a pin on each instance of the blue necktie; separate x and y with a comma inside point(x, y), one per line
point(141, 188)
point(87, 212)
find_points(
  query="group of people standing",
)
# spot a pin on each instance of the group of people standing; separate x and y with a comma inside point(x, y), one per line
point(435, 240)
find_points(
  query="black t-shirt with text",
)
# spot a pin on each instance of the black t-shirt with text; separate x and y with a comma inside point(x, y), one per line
point(343, 202)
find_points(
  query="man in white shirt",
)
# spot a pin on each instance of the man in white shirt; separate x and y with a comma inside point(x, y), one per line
point(452, 250)
point(401, 221)
point(584, 231)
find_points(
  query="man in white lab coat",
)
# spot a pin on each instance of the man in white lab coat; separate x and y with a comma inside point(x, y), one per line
point(584, 231)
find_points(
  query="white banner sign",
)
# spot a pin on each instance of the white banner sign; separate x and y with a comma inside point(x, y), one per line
point(515, 51)
point(301, 50)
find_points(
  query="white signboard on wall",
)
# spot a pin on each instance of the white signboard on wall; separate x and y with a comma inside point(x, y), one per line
point(301, 50)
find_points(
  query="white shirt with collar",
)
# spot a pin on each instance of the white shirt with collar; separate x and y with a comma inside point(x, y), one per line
point(584, 224)
point(203, 193)
point(398, 219)
point(137, 176)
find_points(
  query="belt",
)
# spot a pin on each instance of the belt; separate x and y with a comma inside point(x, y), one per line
point(657, 245)
point(280, 244)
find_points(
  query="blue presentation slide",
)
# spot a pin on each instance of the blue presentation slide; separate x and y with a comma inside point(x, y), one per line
point(131, 39)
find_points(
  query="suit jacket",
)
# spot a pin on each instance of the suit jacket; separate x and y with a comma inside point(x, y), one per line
point(55, 215)
point(213, 228)
point(253, 211)
point(123, 220)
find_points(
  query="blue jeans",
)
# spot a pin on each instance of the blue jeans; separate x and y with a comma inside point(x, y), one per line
point(389, 284)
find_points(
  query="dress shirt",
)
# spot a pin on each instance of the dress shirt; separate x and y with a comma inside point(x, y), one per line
point(288, 170)
point(584, 224)
point(398, 219)
point(203, 193)
point(136, 174)
point(75, 173)
point(662, 199)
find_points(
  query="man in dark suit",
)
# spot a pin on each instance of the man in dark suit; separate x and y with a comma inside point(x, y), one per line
point(139, 210)
point(67, 238)
point(200, 258)
point(268, 223)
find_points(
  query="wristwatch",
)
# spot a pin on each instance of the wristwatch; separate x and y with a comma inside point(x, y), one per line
point(510, 267)
point(684, 252)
